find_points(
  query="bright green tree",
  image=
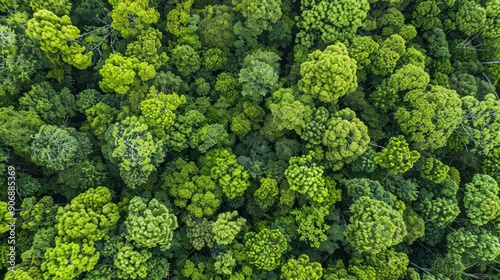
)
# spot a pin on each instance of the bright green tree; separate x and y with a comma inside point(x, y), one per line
point(288, 112)
point(301, 269)
point(225, 263)
point(266, 194)
point(89, 216)
point(311, 224)
point(328, 75)
point(265, 249)
point(306, 177)
point(150, 225)
point(58, 37)
point(69, 260)
point(197, 193)
point(346, 138)
point(158, 109)
point(146, 48)
point(129, 17)
point(121, 73)
point(99, 118)
point(225, 228)
point(481, 200)
point(387, 56)
point(374, 226)
point(221, 165)
point(428, 118)
point(317, 17)
point(433, 170)
point(131, 263)
point(397, 156)
point(387, 264)
point(178, 18)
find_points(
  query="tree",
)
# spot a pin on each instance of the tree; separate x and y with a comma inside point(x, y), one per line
point(425, 15)
point(429, 117)
point(186, 59)
point(134, 150)
point(374, 226)
point(397, 156)
point(39, 214)
point(288, 112)
point(83, 175)
point(131, 263)
point(68, 260)
point(387, 264)
point(264, 249)
point(199, 232)
point(146, 48)
point(306, 177)
point(89, 216)
point(266, 194)
point(59, 37)
point(122, 73)
point(470, 17)
point(481, 200)
point(437, 204)
point(52, 107)
point(158, 110)
point(225, 230)
point(328, 75)
point(362, 49)
point(311, 224)
point(479, 124)
point(178, 18)
point(433, 170)
point(225, 263)
point(197, 193)
point(16, 128)
point(346, 138)
point(54, 148)
point(387, 56)
point(150, 225)
point(301, 269)
point(258, 80)
point(214, 59)
point(314, 130)
point(359, 187)
point(331, 26)
point(258, 14)
point(218, 22)
point(129, 17)
point(57, 7)
point(99, 118)
point(221, 165)
point(473, 244)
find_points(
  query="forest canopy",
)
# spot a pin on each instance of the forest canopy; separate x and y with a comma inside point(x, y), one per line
point(250, 139)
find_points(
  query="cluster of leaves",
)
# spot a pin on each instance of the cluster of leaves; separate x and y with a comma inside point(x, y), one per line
point(250, 139)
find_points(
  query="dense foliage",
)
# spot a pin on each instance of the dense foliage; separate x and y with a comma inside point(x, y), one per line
point(250, 139)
